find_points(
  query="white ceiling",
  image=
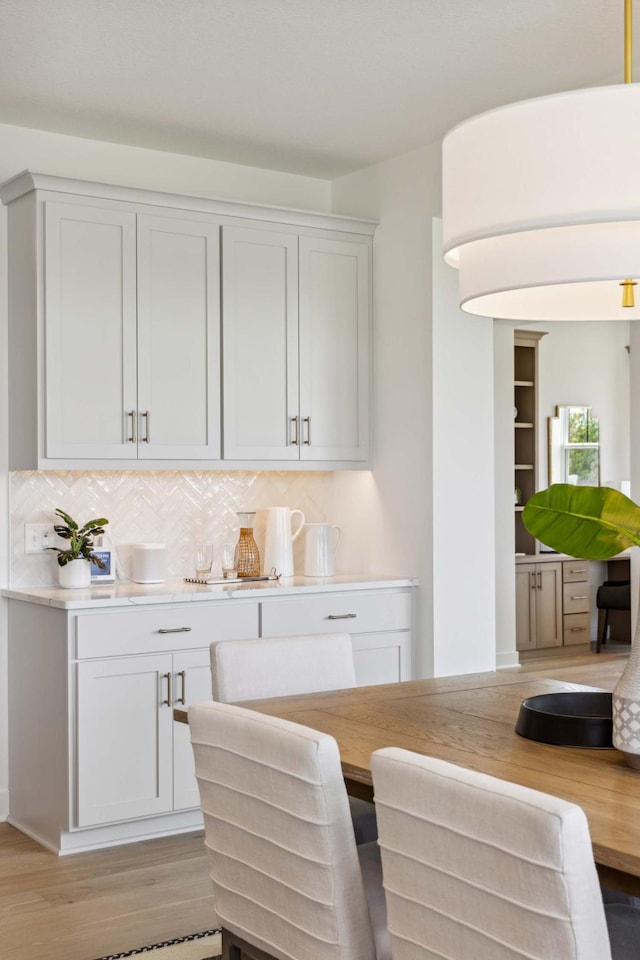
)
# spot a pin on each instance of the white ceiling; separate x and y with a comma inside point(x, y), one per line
point(317, 87)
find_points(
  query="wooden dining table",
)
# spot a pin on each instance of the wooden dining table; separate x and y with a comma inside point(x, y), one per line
point(470, 720)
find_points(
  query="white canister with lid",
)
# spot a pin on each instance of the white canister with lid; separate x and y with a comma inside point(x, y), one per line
point(149, 562)
point(320, 548)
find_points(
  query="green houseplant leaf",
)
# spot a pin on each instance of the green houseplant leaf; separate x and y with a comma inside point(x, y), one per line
point(593, 523)
point(80, 539)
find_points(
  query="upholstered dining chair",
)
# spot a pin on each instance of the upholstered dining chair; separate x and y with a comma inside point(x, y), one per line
point(477, 867)
point(279, 666)
point(289, 881)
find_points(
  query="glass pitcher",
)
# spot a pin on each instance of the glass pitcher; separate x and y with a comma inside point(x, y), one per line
point(247, 554)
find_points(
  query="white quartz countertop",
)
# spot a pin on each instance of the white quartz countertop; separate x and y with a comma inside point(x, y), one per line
point(126, 593)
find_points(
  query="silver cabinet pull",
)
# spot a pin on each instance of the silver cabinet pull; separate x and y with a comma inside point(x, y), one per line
point(307, 420)
point(532, 579)
point(342, 616)
point(183, 685)
point(539, 579)
point(579, 598)
point(577, 629)
point(174, 630)
point(167, 677)
point(147, 428)
point(132, 438)
point(579, 570)
point(294, 440)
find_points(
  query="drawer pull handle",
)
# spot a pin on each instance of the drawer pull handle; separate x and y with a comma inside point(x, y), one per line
point(174, 630)
point(342, 616)
point(183, 687)
point(572, 629)
point(146, 416)
point(167, 677)
point(294, 441)
point(579, 598)
point(132, 438)
point(579, 570)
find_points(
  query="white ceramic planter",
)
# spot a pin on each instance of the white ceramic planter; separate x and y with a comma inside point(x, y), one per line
point(75, 574)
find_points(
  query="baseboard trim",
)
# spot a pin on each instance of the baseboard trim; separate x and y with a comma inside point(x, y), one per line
point(4, 805)
point(510, 659)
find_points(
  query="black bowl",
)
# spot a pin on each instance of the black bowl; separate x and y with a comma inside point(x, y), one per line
point(580, 719)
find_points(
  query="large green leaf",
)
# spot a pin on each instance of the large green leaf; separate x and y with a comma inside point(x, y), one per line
point(593, 523)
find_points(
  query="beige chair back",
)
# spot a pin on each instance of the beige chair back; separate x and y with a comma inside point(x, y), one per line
point(285, 870)
point(475, 867)
point(277, 667)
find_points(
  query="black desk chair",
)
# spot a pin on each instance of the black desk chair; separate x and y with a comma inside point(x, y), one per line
point(611, 595)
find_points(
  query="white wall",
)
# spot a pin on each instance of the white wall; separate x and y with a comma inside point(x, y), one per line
point(433, 379)
point(464, 586)
point(397, 527)
point(506, 655)
point(587, 364)
point(43, 152)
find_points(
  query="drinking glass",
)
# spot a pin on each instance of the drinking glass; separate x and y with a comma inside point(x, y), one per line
point(203, 558)
point(228, 561)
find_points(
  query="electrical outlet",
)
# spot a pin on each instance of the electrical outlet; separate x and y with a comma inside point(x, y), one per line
point(38, 537)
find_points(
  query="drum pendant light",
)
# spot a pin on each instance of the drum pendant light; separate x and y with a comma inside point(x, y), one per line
point(541, 205)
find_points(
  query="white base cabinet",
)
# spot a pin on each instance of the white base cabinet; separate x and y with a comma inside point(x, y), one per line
point(136, 762)
point(95, 757)
point(379, 624)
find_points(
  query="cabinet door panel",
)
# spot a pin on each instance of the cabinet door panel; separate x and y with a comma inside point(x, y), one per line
point(124, 757)
point(178, 338)
point(334, 349)
point(192, 684)
point(260, 344)
point(549, 604)
point(382, 658)
point(525, 606)
point(90, 284)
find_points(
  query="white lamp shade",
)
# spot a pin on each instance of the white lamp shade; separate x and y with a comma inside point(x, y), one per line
point(541, 206)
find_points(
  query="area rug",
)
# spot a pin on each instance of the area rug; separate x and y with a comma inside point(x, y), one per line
point(197, 946)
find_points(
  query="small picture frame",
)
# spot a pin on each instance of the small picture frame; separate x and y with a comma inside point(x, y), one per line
point(108, 574)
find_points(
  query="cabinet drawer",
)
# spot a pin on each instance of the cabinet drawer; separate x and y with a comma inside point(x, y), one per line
point(337, 613)
point(175, 627)
point(575, 570)
point(575, 597)
point(576, 628)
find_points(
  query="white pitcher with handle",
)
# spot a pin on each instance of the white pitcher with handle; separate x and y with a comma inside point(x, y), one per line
point(319, 549)
point(279, 538)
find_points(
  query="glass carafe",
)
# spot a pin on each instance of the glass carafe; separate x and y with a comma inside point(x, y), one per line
point(247, 553)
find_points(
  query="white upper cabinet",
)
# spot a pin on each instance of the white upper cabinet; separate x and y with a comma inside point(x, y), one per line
point(334, 349)
point(260, 344)
point(296, 342)
point(137, 342)
point(136, 297)
point(178, 405)
point(90, 312)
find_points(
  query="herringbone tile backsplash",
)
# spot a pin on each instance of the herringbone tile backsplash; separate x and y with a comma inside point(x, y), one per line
point(174, 508)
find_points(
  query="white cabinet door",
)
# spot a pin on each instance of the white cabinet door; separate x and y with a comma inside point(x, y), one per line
point(124, 739)
point(178, 338)
point(382, 657)
point(191, 684)
point(260, 344)
point(334, 349)
point(90, 317)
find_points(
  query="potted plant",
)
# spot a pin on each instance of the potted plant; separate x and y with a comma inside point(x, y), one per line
point(76, 559)
point(595, 523)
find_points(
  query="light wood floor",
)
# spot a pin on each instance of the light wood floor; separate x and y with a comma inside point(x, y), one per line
point(86, 905)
